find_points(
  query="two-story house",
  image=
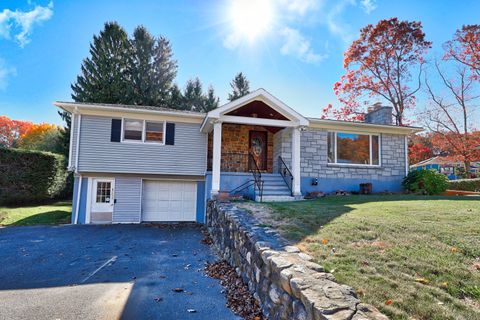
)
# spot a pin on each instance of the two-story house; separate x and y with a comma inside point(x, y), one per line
point(138, 163)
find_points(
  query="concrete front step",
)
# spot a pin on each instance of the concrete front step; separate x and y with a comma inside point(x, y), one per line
point(266, 198)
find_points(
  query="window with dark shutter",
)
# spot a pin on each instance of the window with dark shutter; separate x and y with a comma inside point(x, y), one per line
point(116, 132)
point(170, 134)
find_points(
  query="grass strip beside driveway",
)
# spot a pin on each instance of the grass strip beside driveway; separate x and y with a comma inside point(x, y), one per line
point(55, 213)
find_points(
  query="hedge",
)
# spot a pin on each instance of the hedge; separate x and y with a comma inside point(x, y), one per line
point(465, 184)
point(32, 177)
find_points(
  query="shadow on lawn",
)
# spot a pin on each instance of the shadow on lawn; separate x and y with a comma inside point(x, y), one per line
point(49, 217)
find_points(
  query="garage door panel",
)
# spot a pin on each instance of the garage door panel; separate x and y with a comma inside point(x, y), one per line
point(169, 201)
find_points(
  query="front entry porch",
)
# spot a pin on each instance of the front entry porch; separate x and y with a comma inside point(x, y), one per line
point(257, 137)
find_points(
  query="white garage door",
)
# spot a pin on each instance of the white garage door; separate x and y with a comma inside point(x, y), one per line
point(169, 201)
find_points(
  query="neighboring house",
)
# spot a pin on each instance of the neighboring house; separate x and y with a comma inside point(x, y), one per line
point(138, 163)
point(451, 169)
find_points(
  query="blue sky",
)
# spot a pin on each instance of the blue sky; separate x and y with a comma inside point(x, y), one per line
point(297, 56)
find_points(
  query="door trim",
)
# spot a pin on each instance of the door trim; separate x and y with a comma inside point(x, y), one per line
point(89, 196)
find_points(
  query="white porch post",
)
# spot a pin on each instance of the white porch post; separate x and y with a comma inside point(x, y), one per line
point(217, 154)
point(296, 161)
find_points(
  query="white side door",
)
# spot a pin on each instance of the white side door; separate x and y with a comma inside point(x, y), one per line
point(103, 193)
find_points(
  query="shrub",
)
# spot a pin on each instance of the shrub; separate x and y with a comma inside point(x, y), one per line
point(465, 184)
point(32, 176)
point(425, 182)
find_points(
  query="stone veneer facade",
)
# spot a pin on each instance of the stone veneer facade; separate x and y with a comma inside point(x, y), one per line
point(285, 281)
point(313, 157)
point(235, 140)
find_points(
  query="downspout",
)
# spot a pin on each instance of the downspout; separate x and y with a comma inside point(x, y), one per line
point(406, 156)
point(79, 191)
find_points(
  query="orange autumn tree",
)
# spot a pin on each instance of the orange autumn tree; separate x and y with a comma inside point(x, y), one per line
point(12, 130)
point(465, 48)
point(420, 147)
point(380, 65)
point(41, 137)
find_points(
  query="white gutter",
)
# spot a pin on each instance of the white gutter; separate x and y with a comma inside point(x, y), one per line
point(77, 147)
point(113, 108)
point(70, 146)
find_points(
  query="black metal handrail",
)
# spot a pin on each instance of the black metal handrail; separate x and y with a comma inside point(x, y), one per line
point(243, 186)
point(285, 173)
point(257, 175)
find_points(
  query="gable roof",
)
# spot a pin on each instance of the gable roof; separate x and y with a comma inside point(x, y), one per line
point(257, 95)
point(206, 119)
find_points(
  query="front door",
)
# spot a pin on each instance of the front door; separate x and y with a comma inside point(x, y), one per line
point(258, 148)
point(102, 195)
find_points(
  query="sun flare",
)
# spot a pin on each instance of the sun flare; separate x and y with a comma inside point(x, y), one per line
point(251, 18)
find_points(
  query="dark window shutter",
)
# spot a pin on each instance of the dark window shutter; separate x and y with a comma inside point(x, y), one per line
point(170, 134)
point(116, 130)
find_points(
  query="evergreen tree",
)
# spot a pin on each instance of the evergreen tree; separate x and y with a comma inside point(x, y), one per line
point(164, 69)
point(143, 88)
point(193, 95)
point(153, 69)
point(211, 101)
point(195, 100)
point(105, 74)
point(240, 87)
point(175, 99)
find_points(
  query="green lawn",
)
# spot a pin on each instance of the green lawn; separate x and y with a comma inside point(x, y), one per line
point(55, 213)
point(413, 257)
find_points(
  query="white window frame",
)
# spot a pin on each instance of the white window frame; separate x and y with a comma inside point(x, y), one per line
point(370, 146)
point(144, 132)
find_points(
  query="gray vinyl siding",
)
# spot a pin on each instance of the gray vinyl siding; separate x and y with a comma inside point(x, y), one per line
point(98, 154)
point(128, 195)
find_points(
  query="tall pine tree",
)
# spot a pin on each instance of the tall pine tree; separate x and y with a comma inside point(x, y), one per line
point(193, 95)
point(211, 101)
point(153, 69)
point(105, 74)
point(240, 87)
point(195, 100)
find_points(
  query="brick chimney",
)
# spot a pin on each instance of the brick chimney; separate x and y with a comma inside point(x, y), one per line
point(379, 114)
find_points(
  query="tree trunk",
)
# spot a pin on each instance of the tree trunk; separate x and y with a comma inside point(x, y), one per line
point(468, 174)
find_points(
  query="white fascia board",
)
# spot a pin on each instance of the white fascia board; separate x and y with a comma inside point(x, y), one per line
point(365, 127)
point(69, 106)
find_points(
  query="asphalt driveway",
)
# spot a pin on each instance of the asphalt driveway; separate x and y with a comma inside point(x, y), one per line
point(107, 272)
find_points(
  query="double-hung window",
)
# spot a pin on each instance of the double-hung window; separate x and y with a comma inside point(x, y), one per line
point(143, 131)
point(353, 148)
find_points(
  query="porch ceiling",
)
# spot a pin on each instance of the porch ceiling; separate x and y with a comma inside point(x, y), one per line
point(256, 108)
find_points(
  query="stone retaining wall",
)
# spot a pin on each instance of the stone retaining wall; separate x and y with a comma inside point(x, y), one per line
point(287, 283)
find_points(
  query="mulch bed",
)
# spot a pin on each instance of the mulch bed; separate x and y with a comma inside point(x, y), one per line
point(239, 298)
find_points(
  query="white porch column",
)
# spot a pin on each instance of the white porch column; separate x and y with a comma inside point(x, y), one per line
point(217, 155)
point(296, 161)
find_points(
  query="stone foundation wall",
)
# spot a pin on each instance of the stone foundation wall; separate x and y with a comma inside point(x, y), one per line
point(286, 282)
